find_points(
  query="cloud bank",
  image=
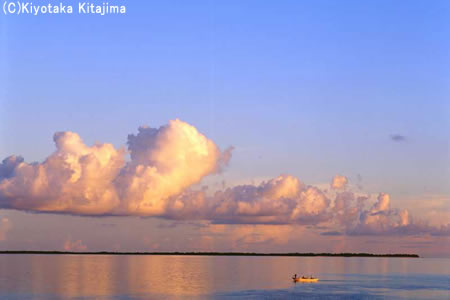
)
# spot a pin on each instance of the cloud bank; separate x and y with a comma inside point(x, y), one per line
point(98, 180)
point(282, 200)
point(158, 180)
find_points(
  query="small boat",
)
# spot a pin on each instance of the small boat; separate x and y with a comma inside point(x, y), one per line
point(305, 279)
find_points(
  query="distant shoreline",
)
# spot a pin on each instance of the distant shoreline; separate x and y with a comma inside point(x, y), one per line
point(215, 254)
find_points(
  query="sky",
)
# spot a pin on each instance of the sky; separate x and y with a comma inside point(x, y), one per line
point(227, 125)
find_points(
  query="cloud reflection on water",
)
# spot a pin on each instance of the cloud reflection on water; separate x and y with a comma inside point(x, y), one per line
point(140, 277)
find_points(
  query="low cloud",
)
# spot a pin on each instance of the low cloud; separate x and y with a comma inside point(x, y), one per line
point(331, 233)
point(159, 180)
point(282, 200)
point(355, 218)
point(5, 226)
point(96, 180)
point(398, 138)
point(77, 245)
point(244, 235)
point(339, 182)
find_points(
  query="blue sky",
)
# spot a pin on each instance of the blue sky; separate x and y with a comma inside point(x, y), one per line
point(310, 88)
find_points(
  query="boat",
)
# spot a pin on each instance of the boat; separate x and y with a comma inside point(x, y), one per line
point(305, 279)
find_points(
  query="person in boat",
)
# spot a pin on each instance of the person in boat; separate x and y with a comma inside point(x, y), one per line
point(294, 277)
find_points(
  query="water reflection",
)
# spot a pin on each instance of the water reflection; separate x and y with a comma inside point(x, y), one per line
point(78, 276)
point(72, 276)
point(174, 275)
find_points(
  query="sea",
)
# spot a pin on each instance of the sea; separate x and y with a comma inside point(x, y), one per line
point(118, 277)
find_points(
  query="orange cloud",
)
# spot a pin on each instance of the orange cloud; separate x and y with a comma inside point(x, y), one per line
point(281, 200)
point(339, 182)
point(96, 180)
point(165, 163)
point(242, 235)
point(5, 226)
point(77, 245)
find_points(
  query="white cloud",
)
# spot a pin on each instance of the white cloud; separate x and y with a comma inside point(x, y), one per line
point(96, 180)
point(165, 164)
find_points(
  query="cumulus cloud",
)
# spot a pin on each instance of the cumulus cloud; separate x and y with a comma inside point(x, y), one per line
point(159, 179)
point(75, 178)
point(8, 165)
point(339, 182)
point(351, 213)
point(97, 180)
point(281, 200)
point(165, 162)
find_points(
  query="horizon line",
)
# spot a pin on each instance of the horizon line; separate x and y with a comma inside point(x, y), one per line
point(203, 253)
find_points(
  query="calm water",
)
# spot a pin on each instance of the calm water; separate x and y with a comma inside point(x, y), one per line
point(192, 277)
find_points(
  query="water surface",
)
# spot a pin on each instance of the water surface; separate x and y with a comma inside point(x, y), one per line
point(220, 277)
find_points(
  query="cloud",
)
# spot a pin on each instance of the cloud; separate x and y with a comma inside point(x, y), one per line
point(5, 226)
point(281, 200)
point(8, 165)
point(398, 138)
point(97, 180)
point(75, 178)
point(339, 182)
point(331, 233)
point(241, 236)
point(277, 234)
point(77, 245)
point(164, 163)
point(380, 219)
point(159, 180)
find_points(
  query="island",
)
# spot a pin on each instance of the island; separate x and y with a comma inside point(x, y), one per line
point(346, 254)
